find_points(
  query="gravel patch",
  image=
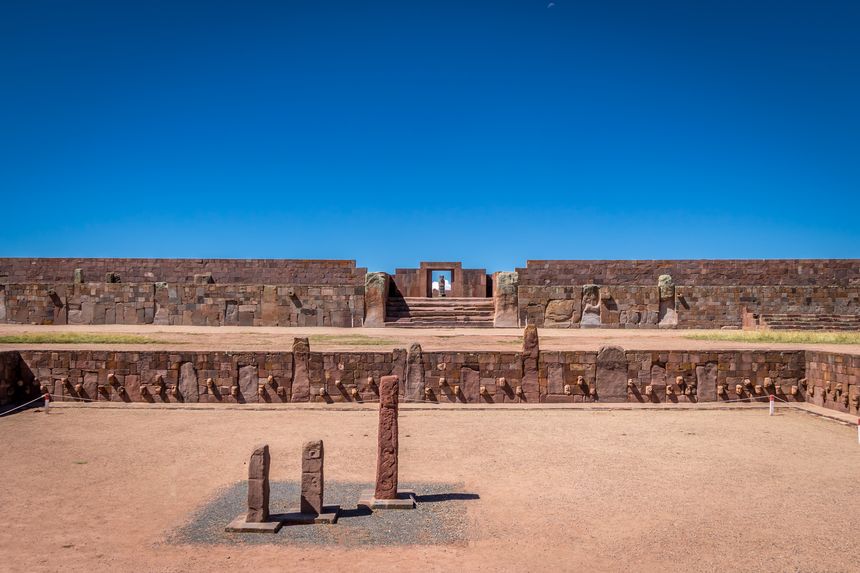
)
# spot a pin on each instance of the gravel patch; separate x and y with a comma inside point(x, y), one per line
point(440, 518)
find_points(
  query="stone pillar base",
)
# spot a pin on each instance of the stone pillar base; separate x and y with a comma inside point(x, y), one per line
point(295, 516)
point(405, 500)
point(239, 525)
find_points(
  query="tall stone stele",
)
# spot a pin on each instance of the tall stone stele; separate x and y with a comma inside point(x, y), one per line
point(667, 314)
point(415, 373)
point(258, 485)
point(375, 298)
point(386, 494)
point(505, 299)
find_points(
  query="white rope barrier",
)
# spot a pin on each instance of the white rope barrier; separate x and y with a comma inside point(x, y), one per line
point(42, 397)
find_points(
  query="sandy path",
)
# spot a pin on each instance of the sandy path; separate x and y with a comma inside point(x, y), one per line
point(559, 489)
point(331, 339)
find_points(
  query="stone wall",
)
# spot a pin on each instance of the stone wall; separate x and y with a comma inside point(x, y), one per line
point(453, 377)
point(182, 304)
point(834, 381)
point(831, 380)
point(701, 272)
point(249, 271)
point(555, 294)
point(10, 391)
point(626, 306)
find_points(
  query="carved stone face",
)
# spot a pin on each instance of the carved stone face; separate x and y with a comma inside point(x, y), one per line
point(567, 390)
point(591, 295)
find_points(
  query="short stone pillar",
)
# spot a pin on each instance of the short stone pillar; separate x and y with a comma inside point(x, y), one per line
point(257, 518)
point(386, 494)
point(311, 508)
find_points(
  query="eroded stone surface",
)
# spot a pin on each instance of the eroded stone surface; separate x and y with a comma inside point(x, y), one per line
point(313, 483)
point(387, 440)
point(258, 485)
point(530, 361)
point(248, 383)
point(505, 299)
point(612, 374)
point(415, 373)
point(375, 297)
point(590, 305)
point(301, 390)
point(706, 382)
point(188, 382)
point(562, 312)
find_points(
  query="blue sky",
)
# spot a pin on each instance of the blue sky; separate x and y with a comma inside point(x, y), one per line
point(489, 132)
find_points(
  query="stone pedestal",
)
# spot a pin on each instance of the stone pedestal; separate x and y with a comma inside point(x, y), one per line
point(386, 495)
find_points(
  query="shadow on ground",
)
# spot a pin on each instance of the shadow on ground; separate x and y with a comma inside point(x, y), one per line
point(440, 518)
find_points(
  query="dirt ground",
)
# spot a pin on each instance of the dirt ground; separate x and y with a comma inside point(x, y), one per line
point(92, 489)
point(385, 339)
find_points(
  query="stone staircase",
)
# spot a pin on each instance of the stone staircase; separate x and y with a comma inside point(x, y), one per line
point(810, 321)
point(445, 312)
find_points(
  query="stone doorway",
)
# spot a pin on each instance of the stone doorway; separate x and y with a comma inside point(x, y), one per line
point(440, 281)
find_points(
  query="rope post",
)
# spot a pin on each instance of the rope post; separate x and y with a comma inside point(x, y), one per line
point(772, 397)
point(47, 402)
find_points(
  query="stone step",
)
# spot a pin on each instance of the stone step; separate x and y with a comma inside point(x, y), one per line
point(440, 312)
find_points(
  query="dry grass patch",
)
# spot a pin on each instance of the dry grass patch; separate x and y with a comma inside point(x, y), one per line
point(780, 336)
point(77, 338)
point(350, 340)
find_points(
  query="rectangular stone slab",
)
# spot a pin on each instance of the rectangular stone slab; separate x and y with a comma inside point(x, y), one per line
point(295, 516)
point(405, 500)
point(239, 525)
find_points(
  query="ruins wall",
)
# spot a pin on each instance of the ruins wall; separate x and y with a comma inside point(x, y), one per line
point(700, 272)
point(455, 377)
point(182, 304)
point(249, 271)
point(9, 376)
point(834, 380)
point(626, 306)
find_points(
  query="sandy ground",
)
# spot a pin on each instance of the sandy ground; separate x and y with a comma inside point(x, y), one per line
point(385, 339)
point(90, 489)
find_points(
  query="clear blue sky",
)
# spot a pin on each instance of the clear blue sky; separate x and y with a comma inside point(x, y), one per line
point(487, 131)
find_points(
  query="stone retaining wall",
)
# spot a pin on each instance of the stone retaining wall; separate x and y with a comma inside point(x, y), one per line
point(182, 304)
point(250, 271)
point(834, 380)
point(699, 272)
point(625, 306)
point(611, 375)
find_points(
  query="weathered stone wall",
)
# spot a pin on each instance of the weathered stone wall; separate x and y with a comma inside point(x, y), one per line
point(831, 380)
point(455, 377)
point(700, 272)
point(625, 306)
point(250, 271)
point(182, 304)
point(10, 374)
point(834, 381)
